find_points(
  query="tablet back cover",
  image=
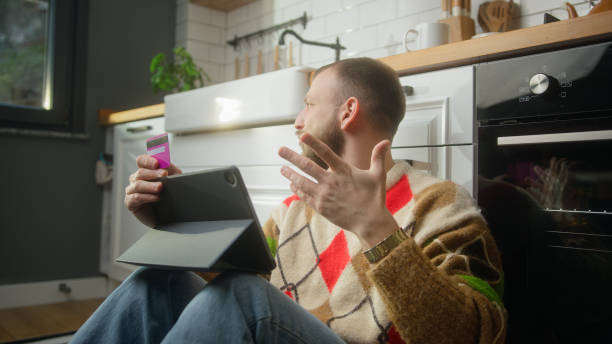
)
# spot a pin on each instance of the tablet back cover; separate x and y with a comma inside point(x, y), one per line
point(205, 221)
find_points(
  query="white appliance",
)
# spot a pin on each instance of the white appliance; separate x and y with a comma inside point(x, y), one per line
point(264, 99)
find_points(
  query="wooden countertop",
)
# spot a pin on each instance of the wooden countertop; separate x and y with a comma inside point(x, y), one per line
point(536, 39)
point(109, 117)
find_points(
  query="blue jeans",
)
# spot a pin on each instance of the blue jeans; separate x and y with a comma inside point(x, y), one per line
point(153, 306)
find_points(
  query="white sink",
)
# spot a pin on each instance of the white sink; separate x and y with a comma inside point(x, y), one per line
point(265, 99)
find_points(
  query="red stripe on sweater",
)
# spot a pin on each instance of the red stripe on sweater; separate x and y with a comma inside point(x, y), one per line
point(290, 199)
point(399, 194)
point(393, 337)
point(334, 259)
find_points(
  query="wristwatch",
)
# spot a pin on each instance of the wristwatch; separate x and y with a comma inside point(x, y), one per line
point(382, 249)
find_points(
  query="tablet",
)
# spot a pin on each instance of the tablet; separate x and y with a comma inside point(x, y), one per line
point(205, 221)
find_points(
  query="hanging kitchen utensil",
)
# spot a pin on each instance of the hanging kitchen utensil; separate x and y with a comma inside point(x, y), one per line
point(276, 57)
point(246, 64)
point(259, 63)
point(237, 68)
point(290, 60)
point(445, 9)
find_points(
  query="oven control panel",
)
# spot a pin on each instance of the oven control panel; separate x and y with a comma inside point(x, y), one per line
point(564, 82)
point(542, 84)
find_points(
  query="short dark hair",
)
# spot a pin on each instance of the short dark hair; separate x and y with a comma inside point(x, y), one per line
point(376, 86)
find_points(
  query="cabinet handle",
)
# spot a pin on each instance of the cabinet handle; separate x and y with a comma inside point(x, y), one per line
point(139, 129)
point(408, 90)
point(554, 138)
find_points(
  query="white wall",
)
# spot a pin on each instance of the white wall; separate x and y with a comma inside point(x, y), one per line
point(371, 28)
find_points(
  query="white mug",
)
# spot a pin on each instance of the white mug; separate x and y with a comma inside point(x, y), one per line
point(427, 35)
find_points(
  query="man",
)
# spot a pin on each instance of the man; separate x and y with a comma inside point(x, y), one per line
point(371, 251)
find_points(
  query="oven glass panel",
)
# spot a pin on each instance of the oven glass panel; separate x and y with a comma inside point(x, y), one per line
point(549, 206)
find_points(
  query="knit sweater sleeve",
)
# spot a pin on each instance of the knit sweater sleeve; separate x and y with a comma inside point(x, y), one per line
point(444, 284)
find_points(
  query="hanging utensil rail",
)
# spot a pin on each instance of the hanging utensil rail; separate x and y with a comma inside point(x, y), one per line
point(301, 20)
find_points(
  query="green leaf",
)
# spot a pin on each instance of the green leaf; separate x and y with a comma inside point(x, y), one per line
point(158, 61)
point(483, 287)
point(180, 75)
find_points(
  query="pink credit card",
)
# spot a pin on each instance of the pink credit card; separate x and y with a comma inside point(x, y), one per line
point(159, 148)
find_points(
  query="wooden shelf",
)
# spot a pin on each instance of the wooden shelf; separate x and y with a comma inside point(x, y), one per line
point(536, 39)
point(107, 117)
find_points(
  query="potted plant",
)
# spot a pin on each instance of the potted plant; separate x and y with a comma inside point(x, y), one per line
point(179, 75)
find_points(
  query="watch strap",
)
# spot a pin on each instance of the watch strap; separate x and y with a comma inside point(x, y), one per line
point(383, 248)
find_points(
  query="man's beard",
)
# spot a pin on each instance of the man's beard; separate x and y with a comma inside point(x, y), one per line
point(330, 135)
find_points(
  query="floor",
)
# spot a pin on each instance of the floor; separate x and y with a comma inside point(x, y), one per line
point(39, 324)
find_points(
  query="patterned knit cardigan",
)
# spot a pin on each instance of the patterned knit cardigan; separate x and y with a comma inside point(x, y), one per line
point(443, 285)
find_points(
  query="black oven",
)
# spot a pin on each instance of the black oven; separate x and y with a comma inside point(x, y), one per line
point(544, 184)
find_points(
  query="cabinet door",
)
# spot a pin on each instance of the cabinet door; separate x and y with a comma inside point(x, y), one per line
point(128, 144)
point(449, 90)
point(425, 124)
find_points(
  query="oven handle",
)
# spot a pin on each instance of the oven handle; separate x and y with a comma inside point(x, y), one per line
point(554, 138)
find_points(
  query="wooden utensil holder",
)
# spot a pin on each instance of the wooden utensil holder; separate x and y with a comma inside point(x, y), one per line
point(459, 28)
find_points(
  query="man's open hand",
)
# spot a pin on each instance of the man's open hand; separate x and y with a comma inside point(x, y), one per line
point(351, 198)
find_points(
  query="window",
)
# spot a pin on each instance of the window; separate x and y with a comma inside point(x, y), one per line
point(42, 64)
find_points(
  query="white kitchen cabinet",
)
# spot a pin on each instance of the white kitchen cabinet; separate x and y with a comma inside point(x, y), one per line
point(128, 143)
point(436, 133)
point(443, 101)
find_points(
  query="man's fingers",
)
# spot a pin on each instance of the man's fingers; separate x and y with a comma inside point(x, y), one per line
point(147, 161)
point(145, 187)
point(324, 152)
point(135, 201)
point(302, 195)
point(146, 174)
point(302, 183)
point(302, 162)
point(150, 163)
point(174, 170)
point(377, 161)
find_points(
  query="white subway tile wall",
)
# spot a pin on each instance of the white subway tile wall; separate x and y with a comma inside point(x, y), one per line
point(373, 28)
point(202, 32)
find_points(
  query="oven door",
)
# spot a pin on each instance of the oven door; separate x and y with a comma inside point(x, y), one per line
point(546, 192)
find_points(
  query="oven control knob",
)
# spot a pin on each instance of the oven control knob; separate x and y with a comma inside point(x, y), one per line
point(541, 83)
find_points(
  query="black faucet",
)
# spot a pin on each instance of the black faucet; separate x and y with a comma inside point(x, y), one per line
point(336, 46)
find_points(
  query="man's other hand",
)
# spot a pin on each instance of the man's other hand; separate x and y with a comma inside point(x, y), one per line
point(347, 196)
point(144, 189)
